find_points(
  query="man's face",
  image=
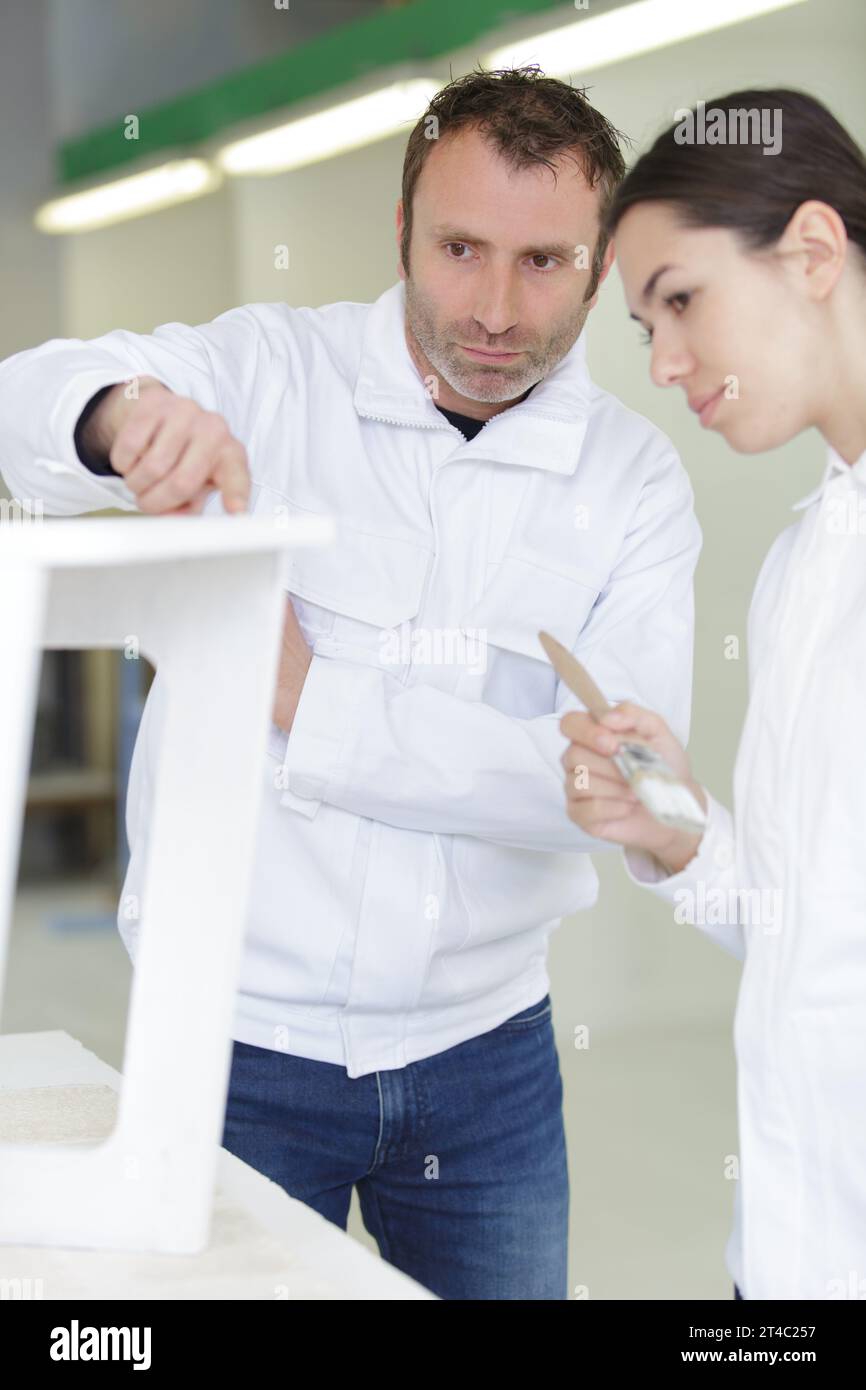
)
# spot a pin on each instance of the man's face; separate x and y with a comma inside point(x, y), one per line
point(500, 259)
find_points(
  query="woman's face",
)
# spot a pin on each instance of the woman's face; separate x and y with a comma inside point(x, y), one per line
point(726, 324)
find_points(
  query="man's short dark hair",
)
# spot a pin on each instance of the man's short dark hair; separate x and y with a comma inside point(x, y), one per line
point(529, 119)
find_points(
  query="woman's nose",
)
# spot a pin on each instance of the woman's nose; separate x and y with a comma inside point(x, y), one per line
point(670, 363)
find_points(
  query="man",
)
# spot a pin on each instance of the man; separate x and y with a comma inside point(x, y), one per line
point(393, 1027)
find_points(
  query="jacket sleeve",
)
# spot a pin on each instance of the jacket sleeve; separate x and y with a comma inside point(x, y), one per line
point(705, 892)
point(418, 757)
point(43, 391)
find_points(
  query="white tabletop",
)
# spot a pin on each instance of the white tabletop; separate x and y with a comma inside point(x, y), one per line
point(90, 541)
point(264, 1244)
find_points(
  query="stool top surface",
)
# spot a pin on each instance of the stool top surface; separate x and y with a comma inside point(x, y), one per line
point(95, 541)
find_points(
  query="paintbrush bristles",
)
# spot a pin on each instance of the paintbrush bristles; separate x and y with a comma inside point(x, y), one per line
point(659, 789)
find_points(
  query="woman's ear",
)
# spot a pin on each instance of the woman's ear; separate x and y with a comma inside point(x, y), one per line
point(816, 240)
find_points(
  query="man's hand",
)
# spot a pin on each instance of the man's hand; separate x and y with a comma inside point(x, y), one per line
point(295, 658)
point(170, 452)
point(599, 799)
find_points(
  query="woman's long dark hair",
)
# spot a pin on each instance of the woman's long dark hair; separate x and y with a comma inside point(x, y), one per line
point(737, 185)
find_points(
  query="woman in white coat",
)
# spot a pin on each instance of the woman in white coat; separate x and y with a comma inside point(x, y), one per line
point(747, 269)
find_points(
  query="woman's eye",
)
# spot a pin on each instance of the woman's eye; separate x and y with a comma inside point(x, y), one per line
point(679, 301)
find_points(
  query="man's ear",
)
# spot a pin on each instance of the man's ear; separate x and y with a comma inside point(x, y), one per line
point(609, 257)
point(400, 271)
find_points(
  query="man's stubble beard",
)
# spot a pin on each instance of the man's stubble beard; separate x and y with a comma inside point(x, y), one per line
point(481, 382)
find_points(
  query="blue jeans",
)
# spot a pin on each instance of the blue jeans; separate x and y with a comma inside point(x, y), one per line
point(459, 1159)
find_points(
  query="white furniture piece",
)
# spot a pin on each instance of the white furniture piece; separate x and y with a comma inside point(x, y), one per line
point(204, 600)
point(263, 1245)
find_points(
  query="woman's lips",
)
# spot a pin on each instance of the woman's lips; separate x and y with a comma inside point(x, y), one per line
point(483, 356)
point(708, 411)
point(705, 406)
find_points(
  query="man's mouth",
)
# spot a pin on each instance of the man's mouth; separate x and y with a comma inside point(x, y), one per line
point(484, 356)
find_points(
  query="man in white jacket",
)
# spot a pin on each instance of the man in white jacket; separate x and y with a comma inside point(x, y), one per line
point(393, 1029)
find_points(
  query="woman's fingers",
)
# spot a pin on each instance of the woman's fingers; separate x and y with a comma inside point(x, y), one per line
point(590, 765)
point(606, 818)
point(598, 798)
point(599, 789)
point(629, 718)
point(592, 738)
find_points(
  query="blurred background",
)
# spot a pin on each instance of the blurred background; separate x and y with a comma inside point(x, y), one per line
point(650, 1104)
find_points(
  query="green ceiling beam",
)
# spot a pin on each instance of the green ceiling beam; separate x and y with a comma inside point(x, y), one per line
point(426, 29)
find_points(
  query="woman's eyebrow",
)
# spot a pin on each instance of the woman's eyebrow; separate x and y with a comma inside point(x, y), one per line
point(651, 282)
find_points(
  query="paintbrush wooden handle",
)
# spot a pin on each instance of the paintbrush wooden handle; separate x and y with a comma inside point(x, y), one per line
point(586, 688)
point(578, 679)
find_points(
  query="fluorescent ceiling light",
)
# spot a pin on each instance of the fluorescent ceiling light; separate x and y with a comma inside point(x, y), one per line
point(607, 38)
point(175, 182)
point(326, 133)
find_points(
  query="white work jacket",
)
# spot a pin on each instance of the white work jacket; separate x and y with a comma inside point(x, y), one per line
point(782, 885)
point(413, 851)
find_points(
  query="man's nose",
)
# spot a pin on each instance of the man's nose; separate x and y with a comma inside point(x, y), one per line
point(496, 306)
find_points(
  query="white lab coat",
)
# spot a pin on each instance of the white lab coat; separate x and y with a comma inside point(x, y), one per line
point(413, 853)
point(783, 885)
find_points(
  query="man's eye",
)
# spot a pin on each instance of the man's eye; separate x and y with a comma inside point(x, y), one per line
point(646, 337)
point(451, 244)
point(542, 256)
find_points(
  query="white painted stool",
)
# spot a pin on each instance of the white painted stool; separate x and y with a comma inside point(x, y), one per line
point(204, 598)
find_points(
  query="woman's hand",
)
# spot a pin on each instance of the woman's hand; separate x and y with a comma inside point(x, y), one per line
point(599, 799)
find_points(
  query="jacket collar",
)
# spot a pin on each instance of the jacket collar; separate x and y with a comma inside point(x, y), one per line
point(834, 465)
point(544, 431)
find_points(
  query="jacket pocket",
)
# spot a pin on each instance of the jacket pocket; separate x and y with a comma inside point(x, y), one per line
point(520, 599)
point(354, 599)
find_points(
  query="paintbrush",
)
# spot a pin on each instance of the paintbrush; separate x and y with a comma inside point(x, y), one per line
point(651, 779)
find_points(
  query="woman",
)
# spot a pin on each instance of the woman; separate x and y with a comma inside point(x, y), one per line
point(748, 272)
